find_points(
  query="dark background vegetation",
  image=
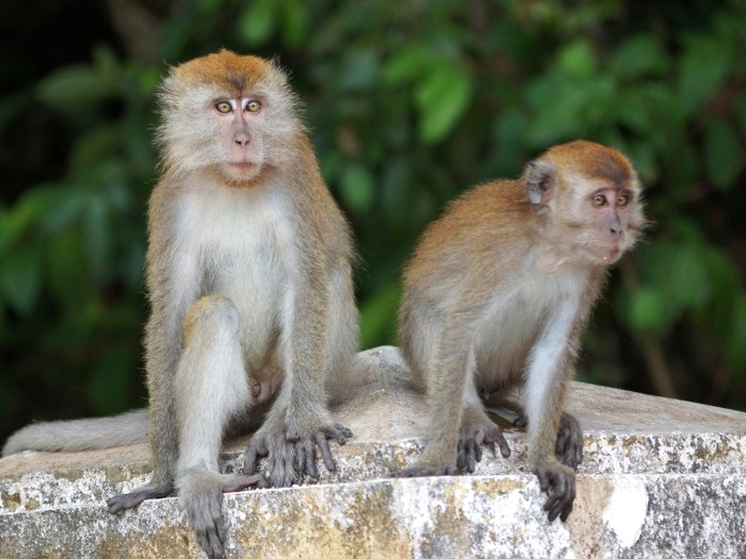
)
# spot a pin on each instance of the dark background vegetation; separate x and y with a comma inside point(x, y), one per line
point(409, 102)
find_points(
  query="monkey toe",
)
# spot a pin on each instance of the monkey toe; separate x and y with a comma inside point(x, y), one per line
point(338, 432)
point(426, 470)
point(238, 482)
point(118, 503)
point(569, 445)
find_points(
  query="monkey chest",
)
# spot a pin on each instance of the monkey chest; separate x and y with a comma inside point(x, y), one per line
point(516, 319)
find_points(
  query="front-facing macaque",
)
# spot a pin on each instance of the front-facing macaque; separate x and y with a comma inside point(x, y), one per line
point(496, 297)
point(249, 279)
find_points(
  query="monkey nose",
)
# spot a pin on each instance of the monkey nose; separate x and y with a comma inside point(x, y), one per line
point(241, 139)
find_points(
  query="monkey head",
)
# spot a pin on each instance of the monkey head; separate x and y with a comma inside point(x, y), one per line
point(588, 199)
point(229, 115)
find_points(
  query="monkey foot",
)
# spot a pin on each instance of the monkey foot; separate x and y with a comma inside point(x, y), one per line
point(471, 441)
point(201, 496)
point(118, 503)
point(292, 452)
point(558, 481)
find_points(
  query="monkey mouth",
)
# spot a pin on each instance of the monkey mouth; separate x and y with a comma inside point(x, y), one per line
point(242, 169)
point(610, 255)
point(242, 165)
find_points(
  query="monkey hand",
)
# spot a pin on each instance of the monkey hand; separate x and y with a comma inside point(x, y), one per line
point(291, 450)
point(569, 445)
point(558, 481)
point(477, 430)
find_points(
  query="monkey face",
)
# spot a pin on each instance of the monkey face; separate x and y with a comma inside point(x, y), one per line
point(229, 115)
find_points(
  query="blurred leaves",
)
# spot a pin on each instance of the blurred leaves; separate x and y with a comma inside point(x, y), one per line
point(408, 104)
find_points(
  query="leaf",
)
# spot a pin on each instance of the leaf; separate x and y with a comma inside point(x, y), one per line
point(647, 311)
point(93, 145)
point(72, 87)
point(357, 188)
point(297, 22)
point(578, 60)
point(735, 348)
point(703, 68)
point(407, 65)
point(360, 70)
point(68, 276)
point(723, 154)
point(98, 239)
point(20, 279)
point(109, 383)
point(639, 56)
point(257, 22)
point(740, 108)
point(441, 100)
point(377, 315)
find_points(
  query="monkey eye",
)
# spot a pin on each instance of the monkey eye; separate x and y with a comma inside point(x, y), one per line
point(223, 107)
point(253, 106)
point(599, 200)
point(622, 200)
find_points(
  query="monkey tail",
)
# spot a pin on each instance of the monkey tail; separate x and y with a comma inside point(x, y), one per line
point(81, 434)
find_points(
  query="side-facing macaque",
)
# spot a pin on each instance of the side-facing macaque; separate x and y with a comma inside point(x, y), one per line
point(250, 285)
point(496, 297)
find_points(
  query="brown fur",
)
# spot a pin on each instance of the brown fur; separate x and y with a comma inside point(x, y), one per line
point(496, 296)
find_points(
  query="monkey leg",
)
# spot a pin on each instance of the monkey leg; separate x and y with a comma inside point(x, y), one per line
point(477, 430)
point(211, 387)
point(569, 446)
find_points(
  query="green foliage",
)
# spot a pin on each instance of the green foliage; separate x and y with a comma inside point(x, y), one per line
point(408, 104)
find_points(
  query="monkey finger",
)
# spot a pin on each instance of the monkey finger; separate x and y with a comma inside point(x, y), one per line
point(558, 505)
point(478, 452)
point(521, 421)
point(213, 545)
point(310, 452)
point(461, 455)
point(326, 453)
point(299, 457)
point(544, 481)
point(495, 436)
point(256, 449)
point(471, 458)
point(240, 482)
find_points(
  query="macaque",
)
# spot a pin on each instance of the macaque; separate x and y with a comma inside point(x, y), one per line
point(251, 293)
point(496, 297)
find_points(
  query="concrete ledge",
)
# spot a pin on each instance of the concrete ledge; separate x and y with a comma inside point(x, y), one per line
point(660, 478)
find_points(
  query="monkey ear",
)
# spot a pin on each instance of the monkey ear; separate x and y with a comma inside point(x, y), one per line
point(541, 182)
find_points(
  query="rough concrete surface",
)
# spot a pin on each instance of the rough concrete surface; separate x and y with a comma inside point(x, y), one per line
point(660, 479)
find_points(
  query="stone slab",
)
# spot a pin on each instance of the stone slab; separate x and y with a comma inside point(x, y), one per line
point(660, 478)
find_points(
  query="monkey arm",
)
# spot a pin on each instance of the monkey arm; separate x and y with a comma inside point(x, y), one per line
point(547, 376)
point(300, 420)
point(173, 280)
